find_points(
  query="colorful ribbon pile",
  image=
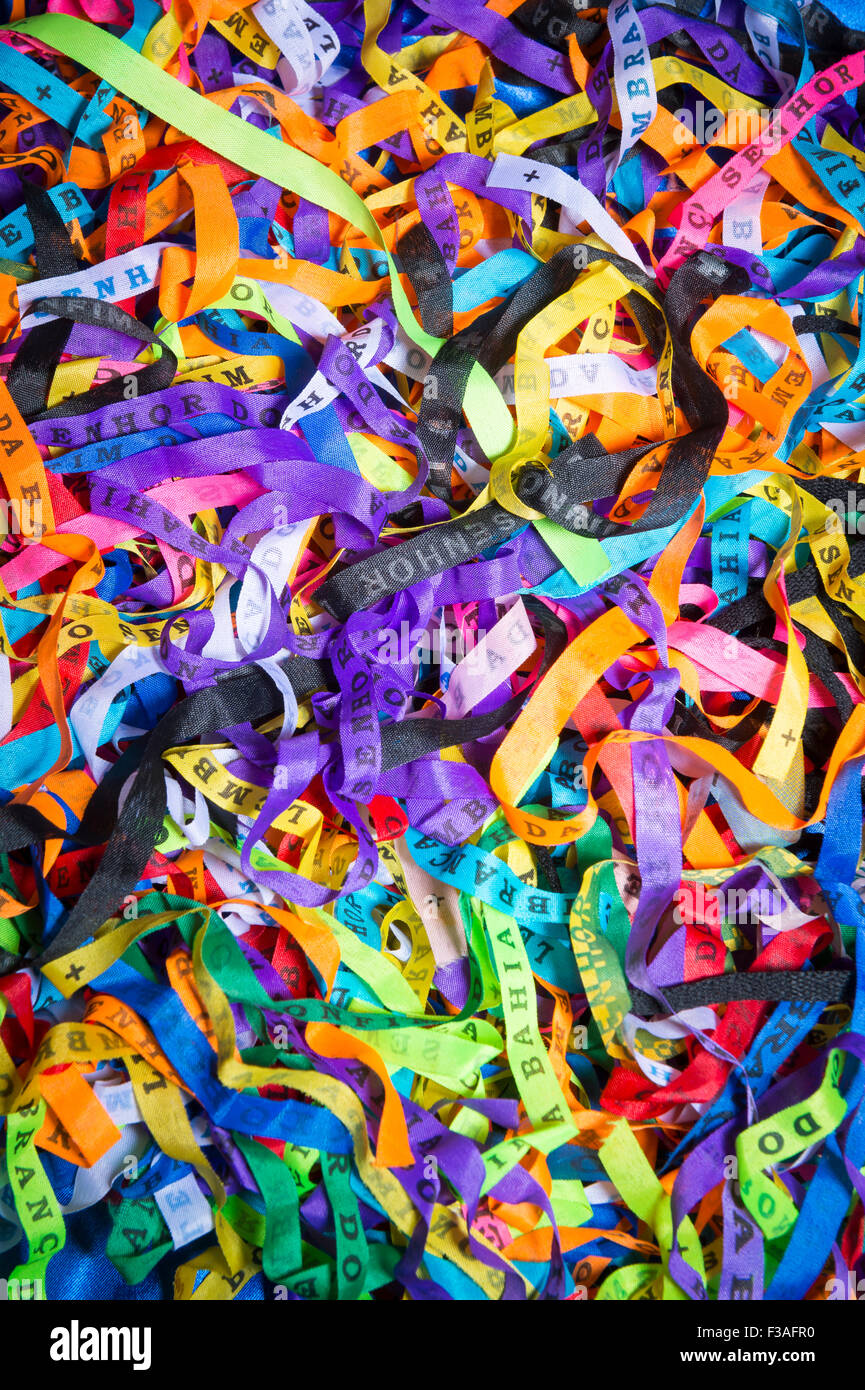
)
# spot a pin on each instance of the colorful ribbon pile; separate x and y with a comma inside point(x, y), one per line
point(432, 652)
